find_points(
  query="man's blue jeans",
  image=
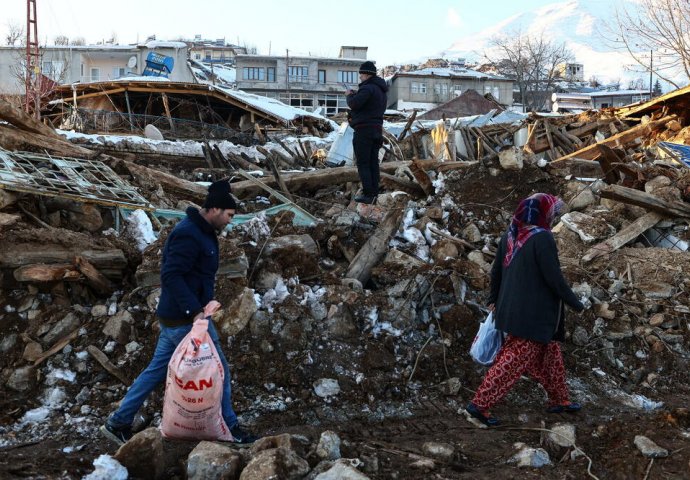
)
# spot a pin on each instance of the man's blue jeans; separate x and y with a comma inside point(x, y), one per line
point(157, 371)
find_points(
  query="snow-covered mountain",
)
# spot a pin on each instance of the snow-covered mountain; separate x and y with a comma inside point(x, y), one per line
point(581, 24)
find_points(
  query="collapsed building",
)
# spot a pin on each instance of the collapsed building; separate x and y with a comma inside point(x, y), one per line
point(347, 325)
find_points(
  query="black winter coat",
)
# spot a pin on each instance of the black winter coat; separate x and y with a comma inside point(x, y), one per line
point(529, 293)
point(369, 103)
point(188, 270)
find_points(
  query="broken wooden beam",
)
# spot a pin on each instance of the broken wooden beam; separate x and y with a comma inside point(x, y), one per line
point(42, 272)
point(646, 201)
point(627, 234)
point(94, 278)
point(622, 139)
point(20, 119)
point(377, 245)
point(107, 365)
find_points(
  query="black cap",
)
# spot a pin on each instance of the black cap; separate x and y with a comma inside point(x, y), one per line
point(368, 67)
point(219, 196)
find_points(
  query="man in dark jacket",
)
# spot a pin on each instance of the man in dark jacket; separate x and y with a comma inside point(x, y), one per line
point(367, 106)
point(188, 269)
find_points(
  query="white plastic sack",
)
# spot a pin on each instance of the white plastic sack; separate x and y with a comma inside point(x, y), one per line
point(487, 343)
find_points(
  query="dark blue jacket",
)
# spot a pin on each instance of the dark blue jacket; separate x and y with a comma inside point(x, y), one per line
point(369, 103)
point(529, 294)
point(188, 269)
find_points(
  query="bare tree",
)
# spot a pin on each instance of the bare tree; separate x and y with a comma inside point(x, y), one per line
point(61, 40)
point(78, 41)
point(594, 81)
point(532, 62)
point(657, 27)
point(14, 35)
point(637, 84)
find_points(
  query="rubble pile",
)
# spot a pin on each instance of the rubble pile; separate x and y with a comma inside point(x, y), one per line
point(348, 337)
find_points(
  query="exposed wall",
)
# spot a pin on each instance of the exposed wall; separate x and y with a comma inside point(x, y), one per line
point(402, 91)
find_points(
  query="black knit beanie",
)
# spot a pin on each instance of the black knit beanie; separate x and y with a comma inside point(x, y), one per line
point(368, 67)
point(219, 196)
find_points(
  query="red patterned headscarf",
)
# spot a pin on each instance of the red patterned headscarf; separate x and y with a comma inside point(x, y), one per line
point(534, 214)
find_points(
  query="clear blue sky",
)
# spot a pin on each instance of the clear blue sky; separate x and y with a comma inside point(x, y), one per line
point(394, 31)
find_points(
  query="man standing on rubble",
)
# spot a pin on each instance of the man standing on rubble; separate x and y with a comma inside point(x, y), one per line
point(367, 106)
point(188, 269)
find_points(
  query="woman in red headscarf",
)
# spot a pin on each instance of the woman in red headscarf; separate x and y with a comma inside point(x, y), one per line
point(527, 295)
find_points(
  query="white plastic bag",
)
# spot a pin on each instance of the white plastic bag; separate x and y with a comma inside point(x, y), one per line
point(487, 343)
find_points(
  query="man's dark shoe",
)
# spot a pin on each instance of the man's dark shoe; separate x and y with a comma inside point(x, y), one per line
point(368, 199)
point(242, 436)
point(486, 418)
point(119, 435)
point(569, 408)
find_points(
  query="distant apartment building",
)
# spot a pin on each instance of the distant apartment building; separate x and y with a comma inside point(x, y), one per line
point(310, 83)
point(577, 102)
point(90, 63)
point(213, 51)
point(571, 72)
point(430, 87)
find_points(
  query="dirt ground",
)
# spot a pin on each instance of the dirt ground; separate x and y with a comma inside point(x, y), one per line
point(412, 386)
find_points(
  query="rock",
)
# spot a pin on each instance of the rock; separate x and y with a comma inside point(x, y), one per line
point(443, 451)
point(267, 279)
point(656, 290)
point(118, 327)
point(451, 387)
point(580, 196)
point(657, 320)
point(342, 470)
point(396, 258)
point(260, 323)
point(6, 198)
point(477, 257)
point(530, 457)
point(561, 435)
point(297, 244)
point(329, 446)
point(86, 216)
point(434, 213)
point(67, 325)
point(235, 317)
point(353, 284)
point(211, 460)
point(278, 463)
point(99, 311)
point(471, 233)
point(22, 379)
point(649, 448)
point(8, 342)
point(655, 183)
point(511, 158)
point(340, 323)
point(8, 219)
point(423, 464)
point(602, 310)
point(444, 249)
point(326, 387)
point(347, 218)
point(153, 133)
point(580, 336)
point(143, 455)
point(32, 351)
point(290, 442)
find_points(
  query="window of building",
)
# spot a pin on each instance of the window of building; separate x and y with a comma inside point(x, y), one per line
point(299, 100)
point(441, 89)
point(197, 56)
point(418, 87)
point(348, 76)
point(496, 92)
point(119, 72)
point(252, 73)
point(53, 70)
point(332, 104)
point(604, 105)
point(322, 76)
point(271, 74)
point(298, 74)
point(81, 72)
point(95, 74)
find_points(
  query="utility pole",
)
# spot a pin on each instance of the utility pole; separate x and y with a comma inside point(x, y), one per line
point(651, 60)
point(32, 59)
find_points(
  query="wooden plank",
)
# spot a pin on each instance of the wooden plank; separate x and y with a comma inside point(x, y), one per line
point(42, 272)
point(166, 106)
point(607, 158)
point(396, 183)
point(94, 278)
point(627, 234)
point(422, 178)
point(409, 123)
point(59, 345)
point(646, 200)
point(107, 365)
point(20, 119)
point(377, 245)
point(621, 140)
